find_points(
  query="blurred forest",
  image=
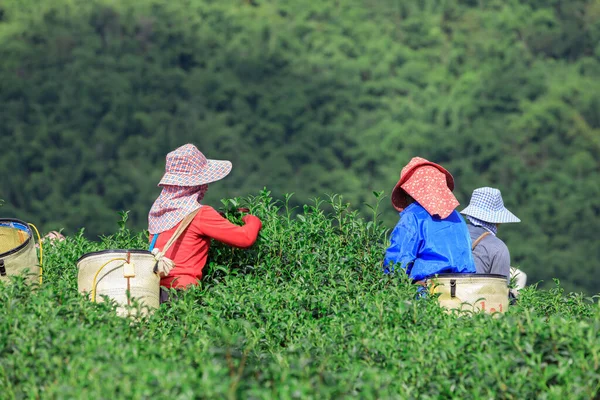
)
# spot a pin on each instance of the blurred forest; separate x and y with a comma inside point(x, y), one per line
point(310, 97)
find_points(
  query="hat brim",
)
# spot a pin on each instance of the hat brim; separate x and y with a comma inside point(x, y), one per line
point(442, 204)
point(493, 217)
point(400, 197)
point(214, 171)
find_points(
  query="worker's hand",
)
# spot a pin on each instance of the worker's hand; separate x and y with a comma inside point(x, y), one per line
point(241, 210)
point(51, 237)
point(249, 217)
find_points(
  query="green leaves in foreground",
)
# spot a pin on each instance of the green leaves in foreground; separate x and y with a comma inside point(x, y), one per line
point(305, 313)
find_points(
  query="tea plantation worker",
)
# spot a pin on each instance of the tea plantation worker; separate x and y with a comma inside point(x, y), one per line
point(52, 236)
point(485, 212)
point(431, 237)
point(188, 173)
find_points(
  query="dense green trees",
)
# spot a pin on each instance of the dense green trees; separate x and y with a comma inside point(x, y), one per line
point(308, 97)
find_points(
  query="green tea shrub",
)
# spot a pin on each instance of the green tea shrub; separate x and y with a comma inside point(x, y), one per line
point(305, 313)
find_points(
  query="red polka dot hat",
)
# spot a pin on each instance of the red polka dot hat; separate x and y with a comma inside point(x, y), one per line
point(429, 184)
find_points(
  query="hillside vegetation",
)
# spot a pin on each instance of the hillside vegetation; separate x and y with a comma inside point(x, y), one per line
point(306, 314)
point(309, 97)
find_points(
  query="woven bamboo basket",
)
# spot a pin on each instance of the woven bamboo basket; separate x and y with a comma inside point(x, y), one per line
point(472, 292)
point(17, 250)
point(113, 273)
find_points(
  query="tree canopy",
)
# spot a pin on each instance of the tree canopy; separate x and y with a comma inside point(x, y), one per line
point(312, 98)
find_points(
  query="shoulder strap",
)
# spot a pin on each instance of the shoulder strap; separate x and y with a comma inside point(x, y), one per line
point(479, 239)
point(182, 227)
point(153, 243)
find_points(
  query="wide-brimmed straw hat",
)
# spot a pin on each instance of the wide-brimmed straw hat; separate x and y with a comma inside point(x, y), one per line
point(187, 166)
point(429, 184)
point(487, 205)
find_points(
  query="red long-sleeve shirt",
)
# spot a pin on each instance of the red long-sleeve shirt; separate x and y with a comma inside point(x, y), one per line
point(190, 251)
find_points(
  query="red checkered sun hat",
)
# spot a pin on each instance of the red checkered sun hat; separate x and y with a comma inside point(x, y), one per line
point(187, 166)
point(429, 184)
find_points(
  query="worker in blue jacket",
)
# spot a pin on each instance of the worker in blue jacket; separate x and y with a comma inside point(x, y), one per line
point(431, 236)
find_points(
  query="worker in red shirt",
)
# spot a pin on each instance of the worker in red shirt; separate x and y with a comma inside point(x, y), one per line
point(187, 175)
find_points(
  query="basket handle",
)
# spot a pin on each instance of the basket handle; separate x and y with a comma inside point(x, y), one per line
point(41, 249)
point(95, 281)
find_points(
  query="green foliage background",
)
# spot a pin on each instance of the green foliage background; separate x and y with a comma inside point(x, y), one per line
point(304, 314)
point(308, 97)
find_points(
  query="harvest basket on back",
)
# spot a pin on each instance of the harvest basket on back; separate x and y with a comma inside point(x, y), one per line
point(471, 292)
point(17, 250)
point(113, 273)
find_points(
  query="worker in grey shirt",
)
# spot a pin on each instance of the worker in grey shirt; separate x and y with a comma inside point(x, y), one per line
point(484, 213)
point(490, 254)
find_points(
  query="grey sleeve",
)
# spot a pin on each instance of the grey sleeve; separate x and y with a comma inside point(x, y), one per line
point(501, 262)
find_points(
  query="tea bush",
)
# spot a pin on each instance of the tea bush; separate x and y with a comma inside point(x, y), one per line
point(305, 313)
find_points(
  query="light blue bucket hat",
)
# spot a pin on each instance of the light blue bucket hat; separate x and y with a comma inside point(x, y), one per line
point(487, 205)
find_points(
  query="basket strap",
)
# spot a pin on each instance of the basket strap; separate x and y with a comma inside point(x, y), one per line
point(182, 227)
point(479, 239)
point(153, 243)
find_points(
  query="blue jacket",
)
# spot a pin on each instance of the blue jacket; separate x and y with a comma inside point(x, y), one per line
point(424, 246)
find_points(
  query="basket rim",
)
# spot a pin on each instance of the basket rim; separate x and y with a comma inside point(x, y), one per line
point(122, 251)
point(466, 276)
point(22, 245)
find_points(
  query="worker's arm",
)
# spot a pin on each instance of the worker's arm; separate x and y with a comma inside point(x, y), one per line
point(501, 262)
point(404, 244)
point(212, 224)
